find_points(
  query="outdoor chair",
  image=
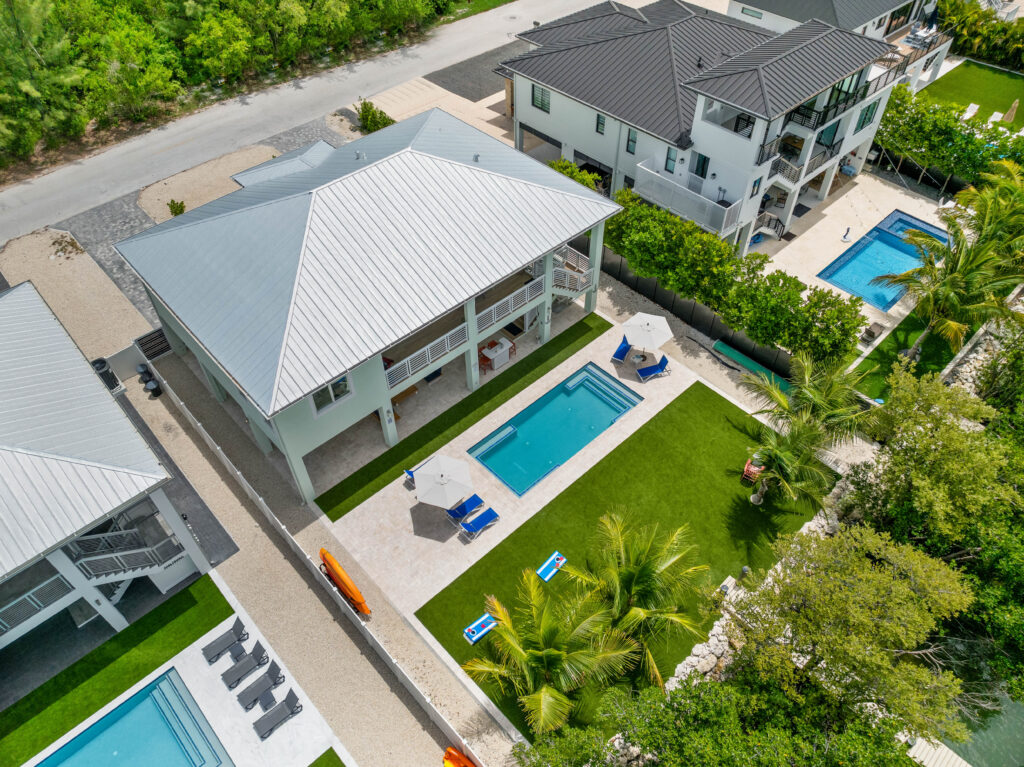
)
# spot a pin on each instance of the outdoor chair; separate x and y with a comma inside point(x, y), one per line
point(872, 332)
point(278, 715)
point(476, 630)
point(225, 641)
point(551, 566)
point(245, 666)
point(972, 109)
point(995, 117)
point(751, 472)
point(651, 371)
point(622, 351)
point(479, 523)
point(464, 509)
point(256, 691)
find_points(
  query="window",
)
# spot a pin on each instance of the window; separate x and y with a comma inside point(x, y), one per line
point(699, 165)
point(600, 124)
point(867, 114)
point(880, 23)
point(864, 31)
point(631, 141)
point(842, 88)
point(929, 61)
point(670, 159)
point(751, 12)
point(328, 395)
point(541, 98)
point(756, 188)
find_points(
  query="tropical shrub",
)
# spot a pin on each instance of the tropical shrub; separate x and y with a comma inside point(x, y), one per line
point(789, 462)
point(176, 207)
point(575, 172)
point(371, 118)
point(979, 33)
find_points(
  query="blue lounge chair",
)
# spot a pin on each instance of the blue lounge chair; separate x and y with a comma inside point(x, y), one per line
point(645, 374)
point(622, 351)
point(409, 476)
point(464, 509)
point(479, 523)
point(476, 630)
point(553, 564)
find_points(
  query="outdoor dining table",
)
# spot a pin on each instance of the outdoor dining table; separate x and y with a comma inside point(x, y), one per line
point(499, 353)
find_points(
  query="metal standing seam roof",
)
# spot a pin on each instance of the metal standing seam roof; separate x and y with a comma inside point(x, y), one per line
point(298, 159)
point(69, 456)
point(845, 14)
point(292, 281)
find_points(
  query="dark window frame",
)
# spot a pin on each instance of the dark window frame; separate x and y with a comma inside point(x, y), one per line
point(671, 154)
point(540, 97)
point(599, 124)
point(631, 138)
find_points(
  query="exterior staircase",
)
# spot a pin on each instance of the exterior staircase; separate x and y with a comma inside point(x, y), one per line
point(132, 552)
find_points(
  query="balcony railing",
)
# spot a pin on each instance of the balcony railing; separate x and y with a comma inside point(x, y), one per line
point(771, 222)
point(667, 192)
point(572, 282)
point(822, 156)
point(27, 605)
point(105, 543)
point(510, 305)
point(426, 356)
point(128, 561)
point(814, 118)
point(769, 149)
point(572, 258)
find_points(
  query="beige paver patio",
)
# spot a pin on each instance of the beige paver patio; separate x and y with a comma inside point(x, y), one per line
point(418, 95)
point(411, 550)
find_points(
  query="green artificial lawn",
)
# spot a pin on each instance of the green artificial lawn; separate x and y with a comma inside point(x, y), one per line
point(935, 354)
point(992, 89)
point(412, 450)
point(684, 466)
point(328, 759)
point(77, 692)
point(463, 8)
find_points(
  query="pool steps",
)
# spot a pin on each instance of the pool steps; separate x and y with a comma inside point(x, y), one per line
point(189, 732)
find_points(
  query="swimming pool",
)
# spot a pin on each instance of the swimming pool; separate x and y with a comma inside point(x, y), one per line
point(880, 251)
point(551, 430)
point(159, 725)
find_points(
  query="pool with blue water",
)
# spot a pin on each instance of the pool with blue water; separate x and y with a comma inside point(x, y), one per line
point(552, 429)
point(881, 251)
point(159, 725)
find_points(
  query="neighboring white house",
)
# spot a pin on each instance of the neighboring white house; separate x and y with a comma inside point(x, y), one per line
point(82, 509)
point(891, 20)
point(337, 279)
point(719, 121)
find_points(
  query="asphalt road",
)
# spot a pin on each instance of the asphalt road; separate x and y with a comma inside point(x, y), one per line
point(230, 125)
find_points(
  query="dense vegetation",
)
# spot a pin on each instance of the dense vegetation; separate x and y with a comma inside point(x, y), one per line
point(979, 33)
point(372, 118)
point(64, 63)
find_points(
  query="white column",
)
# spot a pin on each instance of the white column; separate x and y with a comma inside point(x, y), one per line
point(218, 391)
point(787, 211)
point(595, 253)
point(63, 564)
point(517, 132)
point(180, 529)
point(298, 469)
point(545, 308)
point(387, 423)
point(826, 181)
point(472, 360)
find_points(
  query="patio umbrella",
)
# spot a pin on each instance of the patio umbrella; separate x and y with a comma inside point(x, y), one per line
point(443, 481)
point(648, 331)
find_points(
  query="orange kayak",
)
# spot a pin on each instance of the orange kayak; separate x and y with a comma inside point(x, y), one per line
point(339, 577)
point(455, 758)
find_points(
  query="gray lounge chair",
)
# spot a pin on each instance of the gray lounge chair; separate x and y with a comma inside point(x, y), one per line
point(225, 641)
point(245, 666)
point(266, 682)
point(278, 715)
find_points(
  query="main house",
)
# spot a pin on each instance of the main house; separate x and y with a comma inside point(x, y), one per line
point(337, 279)
point(83, 512)
point(721, 122)
point(911, 26)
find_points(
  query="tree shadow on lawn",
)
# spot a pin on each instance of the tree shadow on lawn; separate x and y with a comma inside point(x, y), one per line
point(754, 528)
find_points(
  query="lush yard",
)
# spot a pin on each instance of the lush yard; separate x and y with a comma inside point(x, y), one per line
point(83, 688)
point(682, 466)
point(328, 759)
point(992, 89)
point(935, 355)
point(362, 484)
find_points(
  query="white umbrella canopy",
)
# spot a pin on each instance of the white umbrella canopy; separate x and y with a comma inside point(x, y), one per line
point(443, 481)
point(648, 331)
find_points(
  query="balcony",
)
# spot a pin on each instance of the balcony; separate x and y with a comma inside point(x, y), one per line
point(913, 46)
point(815, 118)
point(720, 217)
point(793, 172)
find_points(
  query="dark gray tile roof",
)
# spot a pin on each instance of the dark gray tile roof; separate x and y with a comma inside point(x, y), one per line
point(784, 72)
point(846, 14)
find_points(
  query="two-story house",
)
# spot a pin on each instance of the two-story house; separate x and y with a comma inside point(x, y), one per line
point(721, 122)
point(910, 26)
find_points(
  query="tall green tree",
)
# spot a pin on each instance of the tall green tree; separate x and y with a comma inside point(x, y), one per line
point(549, 651)
point(789, 462)
point(993, 210)
point(643, 580)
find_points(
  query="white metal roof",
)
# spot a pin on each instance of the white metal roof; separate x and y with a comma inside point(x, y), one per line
point(69, 456)
point(296, 279)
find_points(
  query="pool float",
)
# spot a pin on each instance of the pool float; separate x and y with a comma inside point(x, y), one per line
point(455, 758)
point(339, 577)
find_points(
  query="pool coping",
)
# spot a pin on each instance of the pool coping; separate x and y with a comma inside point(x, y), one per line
point(230, 724)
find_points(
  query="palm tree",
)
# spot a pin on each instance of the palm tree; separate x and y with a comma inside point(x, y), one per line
point(549, 652)
point(957, 284)
point(822, 392)
point(641, 580)
point(994, 210)
point(789, 463)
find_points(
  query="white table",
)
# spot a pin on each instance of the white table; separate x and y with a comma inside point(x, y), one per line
point(498, 355)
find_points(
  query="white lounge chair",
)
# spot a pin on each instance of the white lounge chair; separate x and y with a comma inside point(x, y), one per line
point(972, 109)
point(995, 117)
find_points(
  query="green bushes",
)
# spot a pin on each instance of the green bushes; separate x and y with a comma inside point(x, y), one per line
point(979, 33)
point(771, 308)
point(575, 172)
point(371, 118)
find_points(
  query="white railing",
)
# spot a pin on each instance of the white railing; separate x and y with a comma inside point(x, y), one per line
point(510, 305)
point(427, 355)
point(40, 597)
point(666, 192)
point(95, 566)
point(572, 281)
point(105, 543)
point(573, 258)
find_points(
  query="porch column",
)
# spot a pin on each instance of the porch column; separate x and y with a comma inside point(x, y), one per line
point(826, 181)
point(787, 211)
point(218, 391)
point(298, 469)
point(860, 156)
point(262, 440)
point(545, 308)
point(387, 423)
point(744, 233)
point(595, 253)
point(181, 531)
point(63, 565)
point(472, 360)
point(517, 132)
point(173, 340)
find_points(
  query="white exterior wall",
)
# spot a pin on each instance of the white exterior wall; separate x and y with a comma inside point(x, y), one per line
point(768, 20)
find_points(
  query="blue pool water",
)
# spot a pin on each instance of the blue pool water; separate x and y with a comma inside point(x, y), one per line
point(880, 251)
point(551, 430)
point(160, 725)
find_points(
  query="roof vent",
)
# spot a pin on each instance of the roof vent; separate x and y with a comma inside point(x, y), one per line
point(476, 158)
point(360, 155)
point(536, 23)
point(700, 62)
